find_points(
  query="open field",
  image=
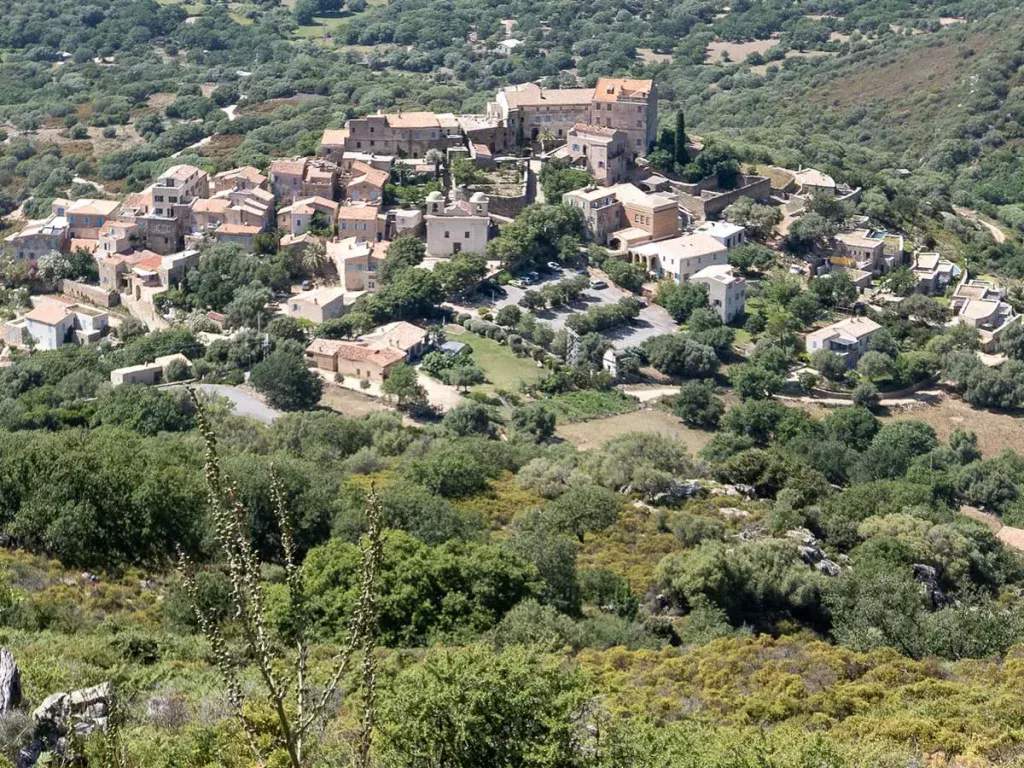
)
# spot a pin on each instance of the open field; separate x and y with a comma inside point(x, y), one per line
point(761, 69)
point(502, 368)
point(590, 404)
point(649, 56)
point(995, 431)
point(925, 69)
point(595, 433)
point(349, 403)
point(737, 51)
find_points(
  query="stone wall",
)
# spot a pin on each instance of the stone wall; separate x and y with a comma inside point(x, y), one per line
point(506, 200)
point(703, 199)
point(90, 293)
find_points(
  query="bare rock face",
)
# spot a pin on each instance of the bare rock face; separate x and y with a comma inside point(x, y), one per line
point(10, 682)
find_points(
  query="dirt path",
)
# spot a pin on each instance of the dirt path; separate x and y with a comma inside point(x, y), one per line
point(967, 213)
point(646, 392)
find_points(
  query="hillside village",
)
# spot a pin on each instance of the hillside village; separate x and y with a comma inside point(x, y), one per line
point(642, 225)
point(507, 384)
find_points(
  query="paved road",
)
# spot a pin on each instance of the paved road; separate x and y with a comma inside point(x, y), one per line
point(653, 320)
point(243, 403)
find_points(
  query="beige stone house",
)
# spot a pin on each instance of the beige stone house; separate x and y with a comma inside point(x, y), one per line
point(679, 258)
point(981, 304)
point(357, 262)
point(302, 214)
point(371, 356)
point(848, 338)
point(603, 152)
point(362, 222)
point(39, 237)
point(85, 217)
point(322, 304)
point(365, 183)
point(623, 215)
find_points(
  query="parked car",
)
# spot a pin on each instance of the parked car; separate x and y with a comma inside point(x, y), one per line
point(307, 285)
point(516, 283)
point(526, 280)
point(535, 276)
point(595, 283)
point(554, 266)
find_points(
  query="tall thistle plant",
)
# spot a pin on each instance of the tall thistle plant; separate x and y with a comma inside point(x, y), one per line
point(300, 712)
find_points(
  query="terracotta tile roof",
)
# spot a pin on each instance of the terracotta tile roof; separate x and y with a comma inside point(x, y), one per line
point(530, 95)
point(413, 120)
point(358, 212)
point(137, 200)
point(47, 314)
point(86, 244)
point(237, 229)
point(180, 172)
point(398, 335)
point(311, 205)
point(375, 177)
point(288, 167)
point(89, 207)
point(334, 138)
point(247, 172)
point(596, 130)
point(355, 351)
point(151, 263)
point(210, 205)
point(614, 88)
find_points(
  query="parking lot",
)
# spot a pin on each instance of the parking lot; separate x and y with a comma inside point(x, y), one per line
point(653, 320)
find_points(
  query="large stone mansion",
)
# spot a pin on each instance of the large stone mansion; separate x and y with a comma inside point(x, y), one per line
point(519, 116)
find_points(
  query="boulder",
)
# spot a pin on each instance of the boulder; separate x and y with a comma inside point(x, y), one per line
point(811, 553)
point(10, 682)
point(51, 710)
point(731, 512)
point(929, 578)
point(829, 567)
point(802, 536)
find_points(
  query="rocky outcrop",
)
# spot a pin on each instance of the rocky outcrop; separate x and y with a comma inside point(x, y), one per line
point(62, 718)
point(929, 578)
point(10, 682)
point(812, 553)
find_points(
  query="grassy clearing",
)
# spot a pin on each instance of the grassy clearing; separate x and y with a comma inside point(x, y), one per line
point(591, 404)
point(502, 368)
point(595, 433)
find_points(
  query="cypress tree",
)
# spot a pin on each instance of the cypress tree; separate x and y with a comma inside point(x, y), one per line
point(681, 157)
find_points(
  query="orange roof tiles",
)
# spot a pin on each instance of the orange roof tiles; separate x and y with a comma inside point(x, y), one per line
point(358, 212)
point(368, 174)
point(236, 229)
point(612, 88)
point(413, 120)
point(288, 167)
point(334, 138)
point(47, 314)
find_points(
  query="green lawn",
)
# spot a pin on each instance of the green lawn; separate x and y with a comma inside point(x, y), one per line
point(324, 25)
point(502, 368)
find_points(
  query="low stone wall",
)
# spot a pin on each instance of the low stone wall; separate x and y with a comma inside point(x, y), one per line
point(500, 201)
point(90, 293)
point(829, 394)
point(703, 200)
